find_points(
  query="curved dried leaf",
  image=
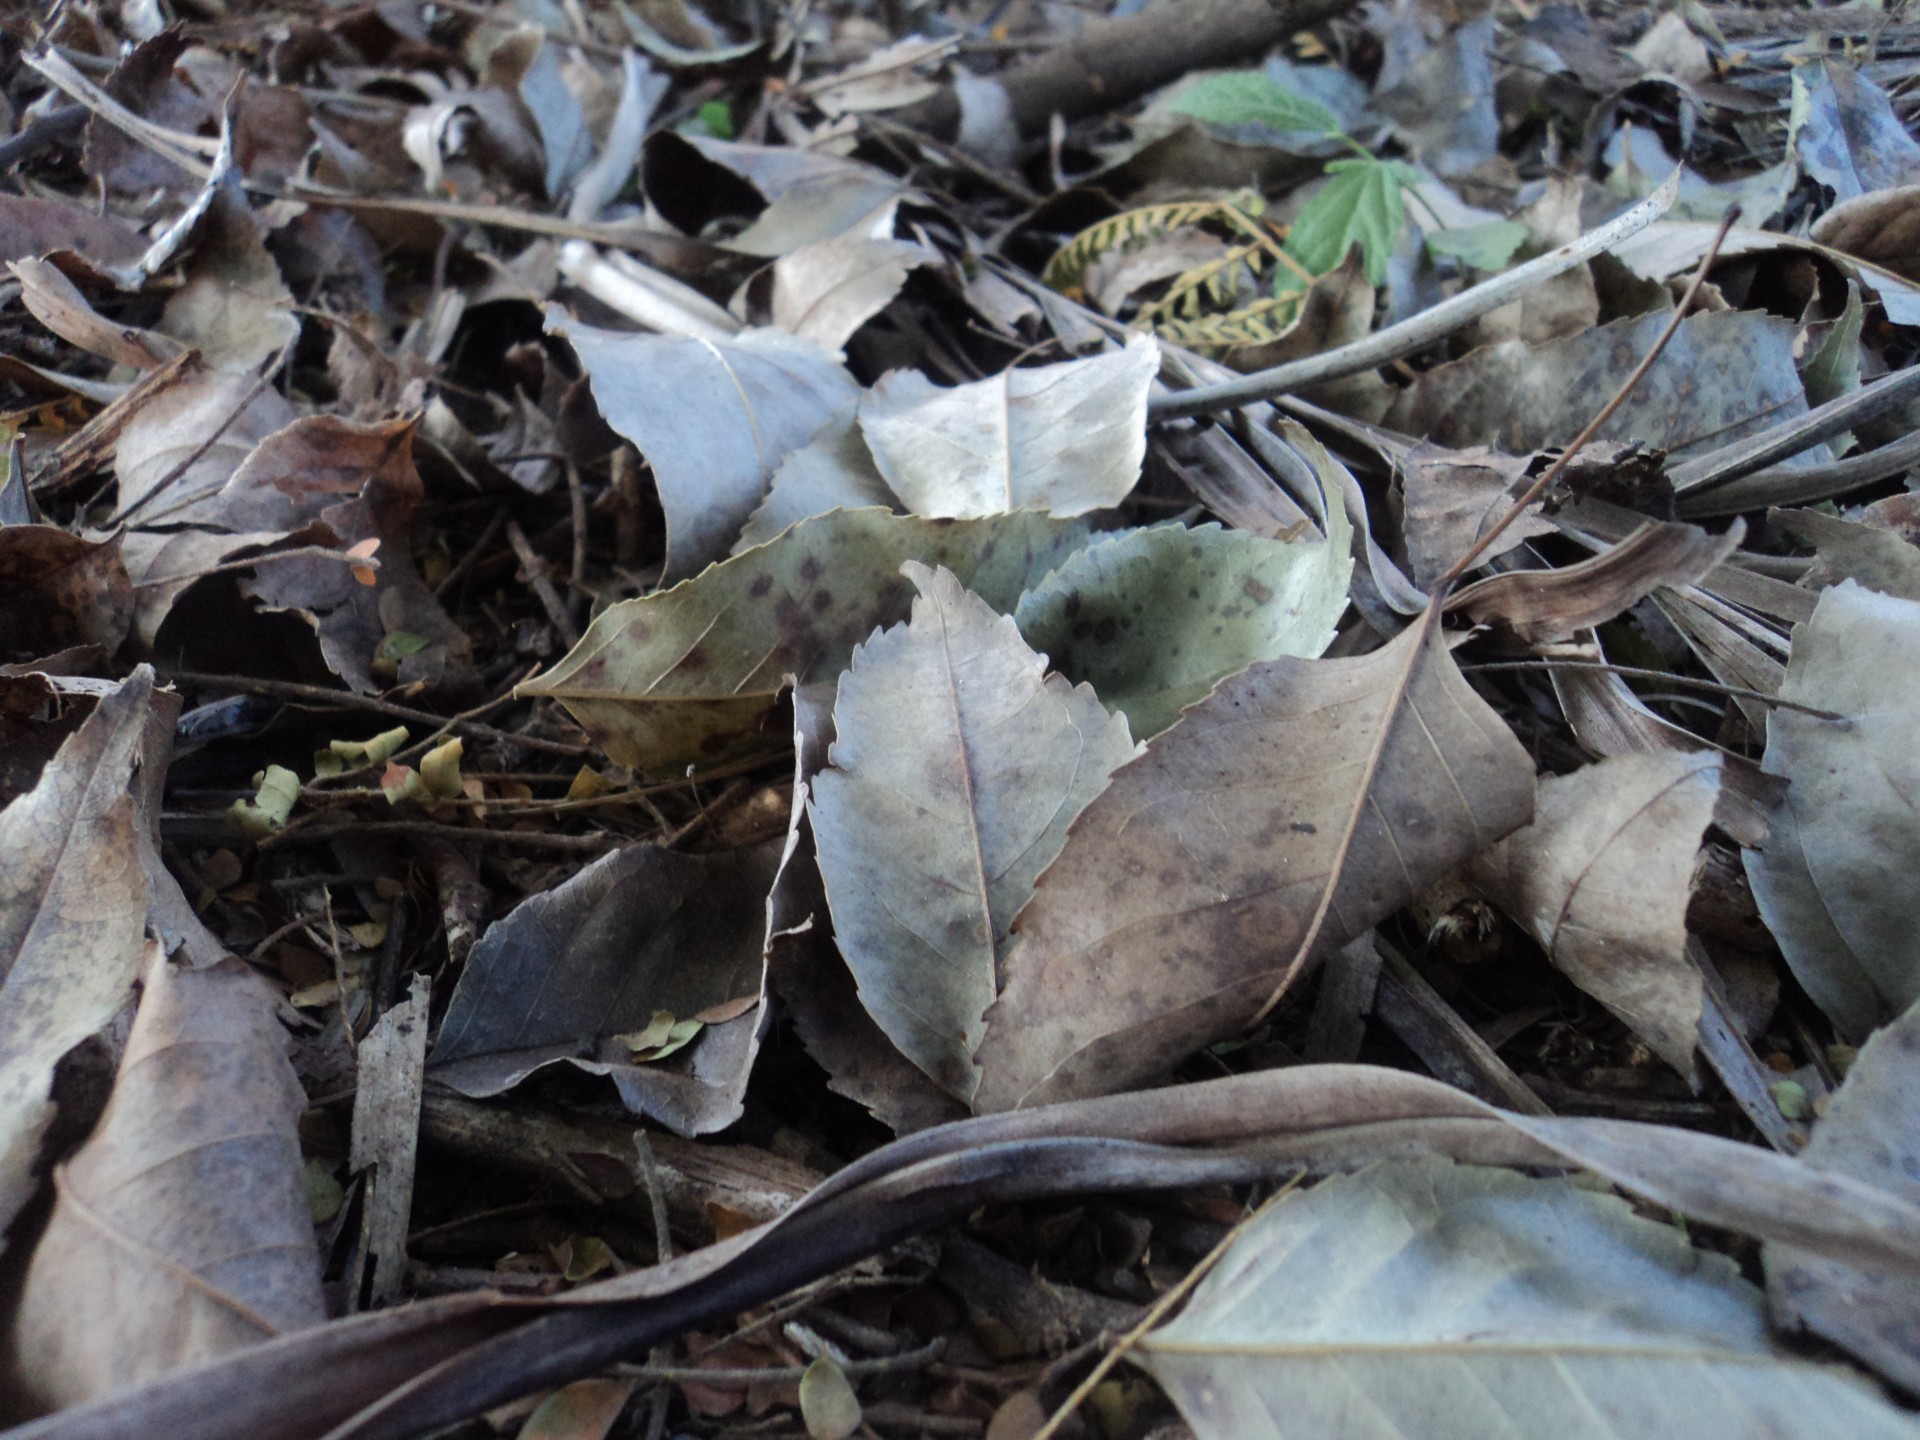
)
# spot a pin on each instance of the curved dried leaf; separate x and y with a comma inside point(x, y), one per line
point(957, 766)
point(1871, 1132)
point(73, 902)
point(1834, 883)
point(1543, 606)
point(1297, 805)
point(1602, 879)
point(1430, 1299)
point(825, 291)
point(714, 419)
point(689, 674)
point(1064, 438)
point(1153, 619)
point(182, 1230)
point(58, 589)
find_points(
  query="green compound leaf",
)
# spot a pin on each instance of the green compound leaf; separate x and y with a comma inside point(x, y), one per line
point(1361, 202)
point(1249, 97)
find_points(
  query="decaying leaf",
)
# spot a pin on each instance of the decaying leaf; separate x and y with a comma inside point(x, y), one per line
point(1434, 1299)
point(1867, 1132)
point(688, 675)
point(1601, 879)
point(575, 968)
point(73, 901)
point(832, 471)
point(957, 765)
point(1064, 438)
point(1834, 881)
point(182, 1230)
point(714, 419)
point(825, 291)
point(1453, 497)
point(1153, 619)
point(1298, 792)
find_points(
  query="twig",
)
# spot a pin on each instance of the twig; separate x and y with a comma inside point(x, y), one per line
point(535, 569)
point(349, 700)
point(1634, 672)
point(502, 839)
point(741, 1378)
point(1419, 331)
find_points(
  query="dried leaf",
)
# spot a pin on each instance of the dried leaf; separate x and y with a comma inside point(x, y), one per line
point(1298, 792)
point(1724, 375)
point(59, 590)
point(1064, 438)
point(1154, 619)
point(1433, 1299)
point(827, 1403)
point(1453, 497)
point(825, 291)
point(573, 968)
point(1869, 1133)
point(688, 675)
point(182, 1229)
point(832, 471)
point(1833, 881)
point(957, 766)
point(73, 902)
point(1543, 606)
point(714, 419)
point(386, 1137)
point(1602, 878)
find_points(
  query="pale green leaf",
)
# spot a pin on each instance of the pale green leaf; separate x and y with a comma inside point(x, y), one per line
point(1154, 618)
point(1251, 97)
point(827, 1403)
point(957, 766)
point(1433, 1302)
point(1484, 247)
point(688, 675)
point(1360, 204)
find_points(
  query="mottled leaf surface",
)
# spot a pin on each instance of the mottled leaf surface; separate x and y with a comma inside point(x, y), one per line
point(688, 675)
point(1153, 619)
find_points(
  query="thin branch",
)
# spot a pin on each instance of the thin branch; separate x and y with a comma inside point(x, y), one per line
point(1634, 672)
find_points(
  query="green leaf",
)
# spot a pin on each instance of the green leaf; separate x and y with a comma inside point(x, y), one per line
point(1360, 202)
point(716, 118)
point(1249, 97)
point(1484, 247)
point(1155, 618)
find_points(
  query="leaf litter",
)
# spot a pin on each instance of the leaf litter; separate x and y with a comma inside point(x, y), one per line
point(880, 579)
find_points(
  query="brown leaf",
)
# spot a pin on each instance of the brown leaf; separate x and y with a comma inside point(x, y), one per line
point(1601, 879)
point(33, 227)
point(1194, 885)
point(1543, 606)
point(73, 899)
point(182, 1229)
point(59, 590)
point(56, 302)
point(1452, 496)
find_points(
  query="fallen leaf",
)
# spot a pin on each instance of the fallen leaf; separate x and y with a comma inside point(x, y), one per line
point(956, 767)
point(1602, 879)
point(828, 1405)
point(1434, 1299)
point(573, 968)
point(1152, 620)
point(182, 1230)
point(1881, 226)
point(1845, 133)
point(1722, 376)
point(1452, 497)
point(1064, 438)
point(386, 1138)
point(1832, 882)
point(1867, 1132)
point(1298, 804)
point(689, 674)
point(825, 291)
point(73, 903)
point(58, 590)
point(833, 471)
point(584, 1410)
point(714, 418)
point(1543, 606)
